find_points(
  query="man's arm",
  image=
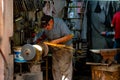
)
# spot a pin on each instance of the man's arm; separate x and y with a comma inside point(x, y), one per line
point(39, 37)
point(63, 39)
point(65, 33)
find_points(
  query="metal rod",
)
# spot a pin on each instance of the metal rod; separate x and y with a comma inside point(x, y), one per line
point(58, 45)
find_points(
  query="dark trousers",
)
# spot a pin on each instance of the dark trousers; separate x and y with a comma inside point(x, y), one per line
point(117, 45)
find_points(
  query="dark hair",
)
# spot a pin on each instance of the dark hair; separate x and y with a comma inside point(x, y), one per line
point(45, 19)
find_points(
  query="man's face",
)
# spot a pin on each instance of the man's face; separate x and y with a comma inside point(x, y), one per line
point(49, 26)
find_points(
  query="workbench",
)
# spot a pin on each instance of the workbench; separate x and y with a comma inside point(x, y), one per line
point(108, 69)
point(105, 72)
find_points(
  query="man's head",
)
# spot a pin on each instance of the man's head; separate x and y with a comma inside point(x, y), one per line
point(47, 22)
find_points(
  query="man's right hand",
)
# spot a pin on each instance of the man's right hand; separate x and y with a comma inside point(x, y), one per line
point(112, 25)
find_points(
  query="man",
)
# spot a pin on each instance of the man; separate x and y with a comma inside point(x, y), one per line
point(116, 24)
point(57, 32)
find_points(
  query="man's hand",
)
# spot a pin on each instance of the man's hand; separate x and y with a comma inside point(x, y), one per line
point(112, 25)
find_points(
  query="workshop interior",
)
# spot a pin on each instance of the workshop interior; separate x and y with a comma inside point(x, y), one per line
point(95, 55)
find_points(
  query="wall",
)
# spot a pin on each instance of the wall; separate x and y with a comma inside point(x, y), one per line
point(1, 31)
point(6, 29)
point(59, 5)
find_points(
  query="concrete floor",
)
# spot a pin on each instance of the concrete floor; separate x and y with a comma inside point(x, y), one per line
point(82, 78)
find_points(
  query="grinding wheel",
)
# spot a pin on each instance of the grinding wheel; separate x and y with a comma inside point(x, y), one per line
point(28, 52)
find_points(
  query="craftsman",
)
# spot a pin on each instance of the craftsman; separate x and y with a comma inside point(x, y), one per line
point(57, 32)
point(116, 24)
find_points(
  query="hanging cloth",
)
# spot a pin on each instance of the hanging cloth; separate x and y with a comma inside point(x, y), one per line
point(97, 9)
point(108, 17)
point(49, 9)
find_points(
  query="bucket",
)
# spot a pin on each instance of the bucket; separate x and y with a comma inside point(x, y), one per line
point(18, 57)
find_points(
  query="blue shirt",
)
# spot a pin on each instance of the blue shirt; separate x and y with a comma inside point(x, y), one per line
point(59, 30)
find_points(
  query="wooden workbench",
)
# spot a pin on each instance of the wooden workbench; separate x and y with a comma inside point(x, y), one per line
point(103, 72)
